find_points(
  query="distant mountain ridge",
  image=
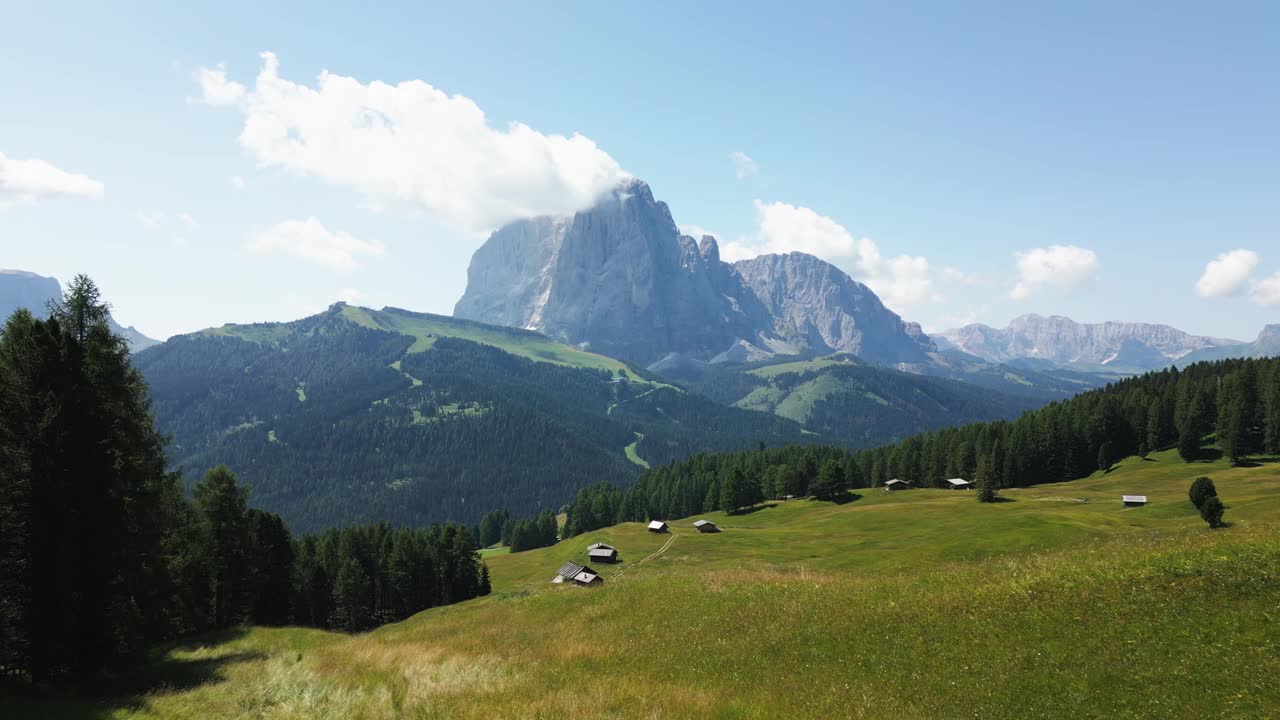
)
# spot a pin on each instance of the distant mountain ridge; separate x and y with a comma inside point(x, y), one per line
point(22, 289)
point(1267, 344)
point(620, 279)
point(1063, 340)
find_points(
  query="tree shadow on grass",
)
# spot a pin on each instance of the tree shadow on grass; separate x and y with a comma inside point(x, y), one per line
point(1002, 499)
point(755, 509)
point(845, 498)
point(1208, 455)
point(127, 688)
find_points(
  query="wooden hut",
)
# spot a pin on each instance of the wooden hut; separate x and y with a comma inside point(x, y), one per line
point(599, 552)
point(896, 484)
point(572, 572)
point(1135, 500)
point(706, 526)
point(657, 526)
point(959, 484)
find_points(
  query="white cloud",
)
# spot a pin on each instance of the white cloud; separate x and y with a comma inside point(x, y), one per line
point(412, 143)
point(188, 222)
point(310, 240)
point(900, 281)
point(790, 228)
point(238, 182)
point(1226, 274)
point(697, 231)
point(1060, 266)
point(743, 166)
point(351, 296)
point(31, 180)
point(735, 250)
point(216, 89)
point(1266, 292)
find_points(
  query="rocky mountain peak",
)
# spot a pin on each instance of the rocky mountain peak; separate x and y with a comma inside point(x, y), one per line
point(709, 249)
point(619, 278)
point(1061, 339)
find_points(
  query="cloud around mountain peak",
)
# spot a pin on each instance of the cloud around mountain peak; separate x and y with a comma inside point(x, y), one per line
point(411, 144)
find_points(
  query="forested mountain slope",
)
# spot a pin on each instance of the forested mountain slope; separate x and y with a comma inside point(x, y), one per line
point(355, 415)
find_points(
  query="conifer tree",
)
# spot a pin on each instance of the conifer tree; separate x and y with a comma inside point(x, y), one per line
point(352, 596)
point(1104, 456)
point(734, 493)
point(830, 482)
point(222, 508)
point(86, 503)
point(1212, 510)
point(1202, 489)
point(1271, 411)
point(1155, 430)
point(1189, 445)
point(988, 488)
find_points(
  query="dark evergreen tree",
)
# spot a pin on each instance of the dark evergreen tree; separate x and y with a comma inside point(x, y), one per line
point(1189, 445)
point(1156, 431)
point(1212, 510)
point(1104, 456)
point(830, 482)
point(352, 597)
point(491, 526)
point(86, 503)
point(734, 491)
point(270, 556)
point(988, 487)
point(1202, 489)
point(222, 509)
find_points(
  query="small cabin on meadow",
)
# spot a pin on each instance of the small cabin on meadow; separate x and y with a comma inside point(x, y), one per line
point(599, 552)
point(959, 484)
point(577, 574)
point(657, 526)
point(896, 484)
point(1135, 500)
point(706, 526)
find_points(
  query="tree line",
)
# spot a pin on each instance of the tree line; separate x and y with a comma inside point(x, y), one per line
point(102, 554)
point(498, 526)
point(1231, 404)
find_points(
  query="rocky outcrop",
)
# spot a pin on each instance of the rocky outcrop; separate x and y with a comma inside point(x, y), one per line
point(815, 305)
point(1062, 340)
point(620, 279)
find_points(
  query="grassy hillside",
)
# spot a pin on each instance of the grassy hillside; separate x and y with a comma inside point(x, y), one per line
point(426, 328)
point(922, 604)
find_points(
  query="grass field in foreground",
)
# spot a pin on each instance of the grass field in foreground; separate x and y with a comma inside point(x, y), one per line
point(921, 604)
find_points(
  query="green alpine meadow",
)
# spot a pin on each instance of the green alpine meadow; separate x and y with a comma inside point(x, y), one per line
point(645, 361)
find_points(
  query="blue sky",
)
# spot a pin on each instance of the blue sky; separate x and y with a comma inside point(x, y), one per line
point(1099, 160)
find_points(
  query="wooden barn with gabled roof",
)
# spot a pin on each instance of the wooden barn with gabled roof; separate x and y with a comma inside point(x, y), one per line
point(706, 526)
point(599, 552)
point(657, 526)
point(577, 574)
